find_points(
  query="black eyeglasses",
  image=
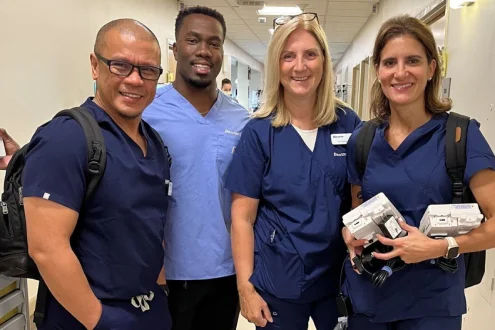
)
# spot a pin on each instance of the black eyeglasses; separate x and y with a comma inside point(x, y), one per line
point(285, 19)
point(124, 69)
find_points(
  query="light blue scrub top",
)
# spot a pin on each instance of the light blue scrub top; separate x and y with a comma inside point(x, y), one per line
point(197, 240)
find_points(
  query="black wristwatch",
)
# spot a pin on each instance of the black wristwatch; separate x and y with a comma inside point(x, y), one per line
point(164, 287)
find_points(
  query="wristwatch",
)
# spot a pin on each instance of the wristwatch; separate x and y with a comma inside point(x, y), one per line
point(453, 249)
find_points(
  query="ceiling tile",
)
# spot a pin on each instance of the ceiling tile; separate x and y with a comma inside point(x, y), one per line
point(350, 5)
point(341, 19)
point(348, 13)
point(210, 3)
point(345, 19)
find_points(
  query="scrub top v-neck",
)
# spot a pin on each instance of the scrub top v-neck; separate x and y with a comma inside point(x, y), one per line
point(413, 177)
point(298, 244)
point(197, 236)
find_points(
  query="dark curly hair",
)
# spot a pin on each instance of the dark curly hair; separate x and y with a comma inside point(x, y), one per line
point(198, 10)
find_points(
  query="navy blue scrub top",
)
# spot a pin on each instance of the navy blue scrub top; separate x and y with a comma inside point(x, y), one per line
point(413, 177)
point(119, 239)
point(298, 249)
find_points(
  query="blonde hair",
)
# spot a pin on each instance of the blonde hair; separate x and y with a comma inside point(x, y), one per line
point(273, 94)
point(405, 25)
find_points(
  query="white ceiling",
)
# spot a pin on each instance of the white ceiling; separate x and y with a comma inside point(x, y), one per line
point(341, 20)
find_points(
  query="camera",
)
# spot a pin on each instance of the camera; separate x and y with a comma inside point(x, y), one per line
point(450, 220)
point(376, 216)
point(379, 216)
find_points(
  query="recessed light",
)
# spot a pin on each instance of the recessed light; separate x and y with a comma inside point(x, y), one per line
point(274, 11)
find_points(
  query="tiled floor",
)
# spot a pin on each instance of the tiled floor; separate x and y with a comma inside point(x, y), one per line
point(245, 325)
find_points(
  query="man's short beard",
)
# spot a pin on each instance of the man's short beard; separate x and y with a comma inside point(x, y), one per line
point(198, 83)
point(128, 117)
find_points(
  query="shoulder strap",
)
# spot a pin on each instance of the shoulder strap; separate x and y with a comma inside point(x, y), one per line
point(97, 157)
point(15, 167)
point(363, 144)
point(97, 154)
point(455, 153)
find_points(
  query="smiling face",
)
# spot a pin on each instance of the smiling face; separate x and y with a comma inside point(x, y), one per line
point(125, 96)
point(199, 50)
point(301, 64)
point(404, 71)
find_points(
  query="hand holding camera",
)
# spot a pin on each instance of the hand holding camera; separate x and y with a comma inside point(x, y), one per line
point(380, 242)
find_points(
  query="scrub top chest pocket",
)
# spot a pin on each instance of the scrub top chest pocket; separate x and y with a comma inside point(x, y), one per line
point(336, 161)
point(225, 147)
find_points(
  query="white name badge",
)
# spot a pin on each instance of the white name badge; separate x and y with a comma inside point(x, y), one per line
point(169, 184)
point(340, 139)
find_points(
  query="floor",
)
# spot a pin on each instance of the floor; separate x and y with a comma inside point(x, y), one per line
point(245, 325)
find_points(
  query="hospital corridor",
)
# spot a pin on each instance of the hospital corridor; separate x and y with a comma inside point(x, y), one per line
point(247, 165)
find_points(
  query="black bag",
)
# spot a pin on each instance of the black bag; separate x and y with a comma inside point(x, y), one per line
point(455, 162)
point(14, 257)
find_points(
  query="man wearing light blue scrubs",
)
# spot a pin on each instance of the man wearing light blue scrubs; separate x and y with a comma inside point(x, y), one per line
point(202, 127)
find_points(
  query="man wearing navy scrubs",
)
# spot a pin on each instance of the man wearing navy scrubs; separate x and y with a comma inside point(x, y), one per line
point(103, 274)
point(202, 126)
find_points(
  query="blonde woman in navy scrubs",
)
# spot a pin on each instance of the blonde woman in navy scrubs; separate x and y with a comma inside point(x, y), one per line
point(289, 178)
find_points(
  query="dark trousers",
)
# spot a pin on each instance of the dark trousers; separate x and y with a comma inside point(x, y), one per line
point(116, 315)
point(295, 316)
point(204, 304)
point(360, 322)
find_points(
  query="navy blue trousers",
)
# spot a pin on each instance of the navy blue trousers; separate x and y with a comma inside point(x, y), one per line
point(117, 315)
point(295, 316)
point(360, 322)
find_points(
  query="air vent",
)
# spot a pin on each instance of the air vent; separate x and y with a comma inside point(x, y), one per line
point(250, 3)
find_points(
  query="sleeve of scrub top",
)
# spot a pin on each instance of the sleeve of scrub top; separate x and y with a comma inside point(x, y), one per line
point(479, 155)
point(352, 173)
point(56, 164)
point(246, 169)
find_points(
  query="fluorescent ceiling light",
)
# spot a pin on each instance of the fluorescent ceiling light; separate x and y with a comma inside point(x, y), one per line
point(270, 10)
point(456, 4)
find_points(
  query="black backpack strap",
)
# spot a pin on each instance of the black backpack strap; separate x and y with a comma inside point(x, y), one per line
point(455, 154)
point(363, 145)
point(97, 154)
point(455, 161)
point(97, 157)
point(39, 311)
